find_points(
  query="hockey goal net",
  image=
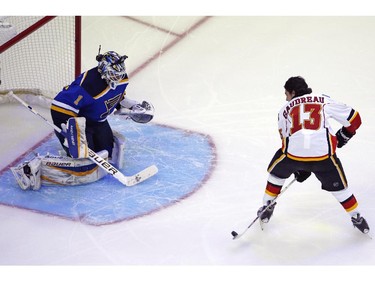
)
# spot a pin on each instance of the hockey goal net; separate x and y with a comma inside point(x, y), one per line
point(38, 55)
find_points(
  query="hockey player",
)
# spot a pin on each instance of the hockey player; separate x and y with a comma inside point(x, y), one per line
point(309, 146)
point(81, 110)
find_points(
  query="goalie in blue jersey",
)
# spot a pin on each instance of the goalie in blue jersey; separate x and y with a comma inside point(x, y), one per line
point(81, 110)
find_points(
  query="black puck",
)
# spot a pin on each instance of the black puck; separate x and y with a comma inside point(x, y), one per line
point(234, 233)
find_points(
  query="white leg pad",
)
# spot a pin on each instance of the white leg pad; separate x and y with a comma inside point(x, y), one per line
point(76, 137)
point(61, 170)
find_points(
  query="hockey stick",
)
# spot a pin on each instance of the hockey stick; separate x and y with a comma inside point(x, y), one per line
point(236, 235)
point(101, 162)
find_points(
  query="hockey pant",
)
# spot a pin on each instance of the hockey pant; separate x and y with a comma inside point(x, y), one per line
point(329, 172)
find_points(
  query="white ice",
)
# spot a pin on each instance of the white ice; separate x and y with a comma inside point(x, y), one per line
point(225, 79)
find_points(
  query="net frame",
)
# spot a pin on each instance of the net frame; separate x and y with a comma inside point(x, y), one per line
point(42, 58)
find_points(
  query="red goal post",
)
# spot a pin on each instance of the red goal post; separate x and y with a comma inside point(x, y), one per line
point(39, 55)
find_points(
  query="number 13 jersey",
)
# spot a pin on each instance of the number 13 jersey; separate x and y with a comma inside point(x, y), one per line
point(305, 129)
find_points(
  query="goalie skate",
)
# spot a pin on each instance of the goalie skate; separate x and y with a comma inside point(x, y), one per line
point(27, 174)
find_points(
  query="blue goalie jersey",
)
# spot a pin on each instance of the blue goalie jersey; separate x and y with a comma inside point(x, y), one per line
point(89, 96)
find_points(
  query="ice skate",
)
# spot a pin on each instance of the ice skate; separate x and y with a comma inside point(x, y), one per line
point(265, 212)
point(360, 223)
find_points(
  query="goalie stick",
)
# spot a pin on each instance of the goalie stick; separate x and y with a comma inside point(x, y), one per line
point(236, 235)
point(102, 163)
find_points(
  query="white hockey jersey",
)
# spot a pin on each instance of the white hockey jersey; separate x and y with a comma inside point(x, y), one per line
point(305, 129)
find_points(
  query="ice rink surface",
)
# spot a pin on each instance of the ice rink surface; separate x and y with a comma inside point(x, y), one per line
point(222, 76)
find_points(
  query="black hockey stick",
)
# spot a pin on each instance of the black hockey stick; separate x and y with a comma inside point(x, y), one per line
point(101, 162)
point(236, 235)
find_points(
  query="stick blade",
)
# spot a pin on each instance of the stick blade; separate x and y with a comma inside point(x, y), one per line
point(142, 175)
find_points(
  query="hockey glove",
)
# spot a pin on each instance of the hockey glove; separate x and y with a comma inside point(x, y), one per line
point(138, 112)
point(301, 175)
point(343, 136)
point(142, 113)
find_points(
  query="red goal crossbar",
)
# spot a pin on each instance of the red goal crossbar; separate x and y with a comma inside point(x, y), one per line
point(39, 24)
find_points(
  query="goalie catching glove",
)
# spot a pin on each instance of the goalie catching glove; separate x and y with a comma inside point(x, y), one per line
point(140, 113)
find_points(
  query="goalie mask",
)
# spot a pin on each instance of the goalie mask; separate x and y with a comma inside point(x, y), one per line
point(112, 68)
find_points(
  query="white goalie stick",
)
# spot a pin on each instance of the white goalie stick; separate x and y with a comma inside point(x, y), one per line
point(236, 235)
point(102, 163)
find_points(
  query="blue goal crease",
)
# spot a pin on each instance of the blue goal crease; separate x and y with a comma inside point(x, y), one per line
point(185, 160)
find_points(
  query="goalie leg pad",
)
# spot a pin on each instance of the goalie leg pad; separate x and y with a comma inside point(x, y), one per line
point(28, 174)
point(76, 137)
point(60, 170)
point(118, 151)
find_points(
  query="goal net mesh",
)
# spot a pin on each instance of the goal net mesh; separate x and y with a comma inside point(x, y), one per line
point(43, 61)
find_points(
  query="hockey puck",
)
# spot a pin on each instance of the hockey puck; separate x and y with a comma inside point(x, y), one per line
point(234, 234)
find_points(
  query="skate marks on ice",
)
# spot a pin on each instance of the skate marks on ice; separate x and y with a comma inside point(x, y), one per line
point(304, 233)
point(185, 160)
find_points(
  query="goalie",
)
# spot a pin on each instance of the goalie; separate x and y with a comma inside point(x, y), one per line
point(81, 110)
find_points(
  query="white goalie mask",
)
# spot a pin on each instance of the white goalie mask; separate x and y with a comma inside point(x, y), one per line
point(112, 68)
